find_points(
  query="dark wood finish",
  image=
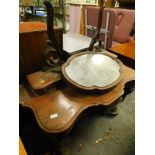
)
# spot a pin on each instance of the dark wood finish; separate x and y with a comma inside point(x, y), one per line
point(58, 110)
point(126, 52)
point(32, 44)
point(55, 56)
point(51, 35)
point(94, 87)
point(41, 81)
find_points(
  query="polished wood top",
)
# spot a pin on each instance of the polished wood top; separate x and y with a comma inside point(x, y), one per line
point(57, 110)
point(40, 80)
point(127, 49)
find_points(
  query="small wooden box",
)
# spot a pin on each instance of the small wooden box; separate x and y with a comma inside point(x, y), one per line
point(40, 82)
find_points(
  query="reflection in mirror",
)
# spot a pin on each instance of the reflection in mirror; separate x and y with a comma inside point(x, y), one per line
point(93, 70)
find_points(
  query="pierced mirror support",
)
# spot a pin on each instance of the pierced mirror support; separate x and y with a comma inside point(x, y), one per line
point(97, 33)
point(53, 54)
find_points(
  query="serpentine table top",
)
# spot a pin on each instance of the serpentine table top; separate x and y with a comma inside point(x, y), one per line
point(58, 110)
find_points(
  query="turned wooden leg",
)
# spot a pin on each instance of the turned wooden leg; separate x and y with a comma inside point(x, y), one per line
point(113, 112)
point(111, 109)
point(129, 87)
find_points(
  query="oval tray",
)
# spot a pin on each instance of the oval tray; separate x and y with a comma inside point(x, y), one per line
point(92, 70)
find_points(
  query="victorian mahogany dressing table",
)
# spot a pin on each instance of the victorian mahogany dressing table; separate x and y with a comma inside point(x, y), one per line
point(58, 109)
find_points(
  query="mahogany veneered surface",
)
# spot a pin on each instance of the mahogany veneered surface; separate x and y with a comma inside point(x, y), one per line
point(57, 110)
point(42, 80)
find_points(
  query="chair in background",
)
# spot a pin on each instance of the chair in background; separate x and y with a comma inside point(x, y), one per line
point(73, 43)
point(115, 30)
point(125, 20)
point(108, 24)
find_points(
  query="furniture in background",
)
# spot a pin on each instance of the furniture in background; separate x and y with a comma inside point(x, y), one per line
point(126, 53)
point(108, 24)
point(125, 20)
point(33, 10)
point(32, 44)
point(76, 13)
point(73, 43)
point(116, 27)
point(57, 110)
point(120, 24)
point(76, 17)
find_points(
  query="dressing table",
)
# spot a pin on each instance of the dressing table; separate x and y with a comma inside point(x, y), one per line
point(56, 110)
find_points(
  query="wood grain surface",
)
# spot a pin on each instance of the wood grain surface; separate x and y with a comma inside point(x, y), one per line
point(58, 110)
